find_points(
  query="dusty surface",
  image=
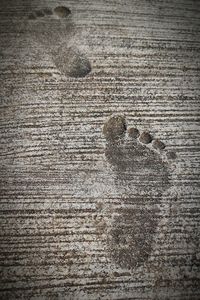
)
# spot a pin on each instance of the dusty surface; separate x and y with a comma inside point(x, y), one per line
point(83, 216)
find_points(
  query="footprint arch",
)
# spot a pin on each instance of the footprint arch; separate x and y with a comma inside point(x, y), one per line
point(72, 62)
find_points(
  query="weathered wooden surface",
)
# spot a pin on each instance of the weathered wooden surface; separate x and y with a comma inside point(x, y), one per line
point(82, 218)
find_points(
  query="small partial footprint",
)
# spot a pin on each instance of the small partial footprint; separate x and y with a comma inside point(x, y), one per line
point(55, 30)
point(72, 62)
point(139, 170)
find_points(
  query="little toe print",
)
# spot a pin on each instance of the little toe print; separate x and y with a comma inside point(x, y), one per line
point(140, 171)
point(56, 25)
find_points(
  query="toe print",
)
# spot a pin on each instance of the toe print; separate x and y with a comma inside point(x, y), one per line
point(145, 138)
point(114, 128)
point(56, 25)
point(171, 155)
point(141, 173)
point(40, 13)
point(62, 11)
point(157, 144)
point(59, 11)
point(47, 11)
point(32, 16)
point(133, 132)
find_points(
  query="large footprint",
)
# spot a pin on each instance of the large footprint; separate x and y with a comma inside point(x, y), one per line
point(55, 30)
point(143, 176)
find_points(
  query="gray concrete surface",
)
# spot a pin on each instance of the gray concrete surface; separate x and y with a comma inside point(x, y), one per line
point(99, 152)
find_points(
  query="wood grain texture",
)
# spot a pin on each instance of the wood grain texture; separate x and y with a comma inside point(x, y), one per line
point(70, 201)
